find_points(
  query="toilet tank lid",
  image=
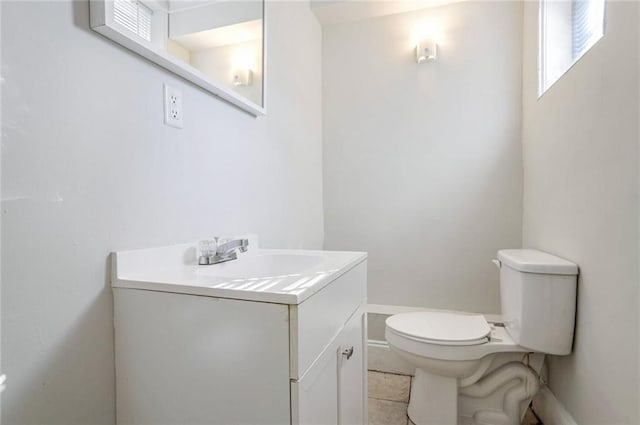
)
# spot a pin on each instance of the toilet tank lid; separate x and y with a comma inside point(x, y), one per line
point(534, 261)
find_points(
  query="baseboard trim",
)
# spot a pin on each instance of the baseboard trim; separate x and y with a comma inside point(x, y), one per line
point(389, 310)
point(382, 359)
point(550, 410)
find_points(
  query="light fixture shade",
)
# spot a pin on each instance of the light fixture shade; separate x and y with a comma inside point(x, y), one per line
point(426, 50)
point(242, 77)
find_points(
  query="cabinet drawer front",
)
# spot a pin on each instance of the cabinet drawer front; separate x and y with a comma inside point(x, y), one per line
point(332, 391)
point(315, 322)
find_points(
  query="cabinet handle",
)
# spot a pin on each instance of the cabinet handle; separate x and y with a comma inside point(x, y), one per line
point(348, 352)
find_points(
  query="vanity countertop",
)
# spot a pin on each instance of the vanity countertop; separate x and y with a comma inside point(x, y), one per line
point(283, 276)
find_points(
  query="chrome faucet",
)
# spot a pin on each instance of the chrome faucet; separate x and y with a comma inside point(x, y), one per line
point(225, 251)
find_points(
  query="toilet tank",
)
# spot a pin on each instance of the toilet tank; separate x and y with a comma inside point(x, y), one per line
point(538, 298)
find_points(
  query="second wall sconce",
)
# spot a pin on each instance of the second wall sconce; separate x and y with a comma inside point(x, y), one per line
point(242, 77)
point(426, 50)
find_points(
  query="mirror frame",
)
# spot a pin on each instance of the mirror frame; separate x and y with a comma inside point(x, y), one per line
point(102, 21)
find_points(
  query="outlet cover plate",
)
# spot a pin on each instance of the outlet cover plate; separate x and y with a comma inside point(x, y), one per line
point(173, 114)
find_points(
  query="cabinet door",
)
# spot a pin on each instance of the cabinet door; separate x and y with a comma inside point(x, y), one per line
point(314, 398)
point(352, 372)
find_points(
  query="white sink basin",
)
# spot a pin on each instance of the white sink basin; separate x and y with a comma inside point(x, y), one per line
point(262, 266)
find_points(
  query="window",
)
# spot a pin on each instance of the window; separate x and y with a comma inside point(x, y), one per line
point(134, 16)
point(568, 29)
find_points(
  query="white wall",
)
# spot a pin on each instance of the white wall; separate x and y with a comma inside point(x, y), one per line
point(88, 167)
point(422, 163)
point(581, 202)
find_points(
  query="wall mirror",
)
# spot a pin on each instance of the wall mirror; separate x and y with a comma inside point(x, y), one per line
point(216, 44)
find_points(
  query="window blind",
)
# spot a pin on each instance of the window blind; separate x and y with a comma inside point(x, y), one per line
point(586, 19)
point(134, 16)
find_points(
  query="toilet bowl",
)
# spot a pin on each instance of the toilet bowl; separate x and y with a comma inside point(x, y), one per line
point(455, 353)
point(451, 350)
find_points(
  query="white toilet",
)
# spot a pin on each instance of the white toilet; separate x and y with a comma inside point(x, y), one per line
point(460, 356)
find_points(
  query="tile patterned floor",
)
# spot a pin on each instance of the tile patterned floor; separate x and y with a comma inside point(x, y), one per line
point(389, 398)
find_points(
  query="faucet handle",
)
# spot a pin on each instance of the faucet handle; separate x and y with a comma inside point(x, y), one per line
point(206, 248)
point(222, 240)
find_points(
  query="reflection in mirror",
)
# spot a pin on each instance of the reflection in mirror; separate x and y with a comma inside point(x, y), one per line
point(213, 43)
point(221, 39)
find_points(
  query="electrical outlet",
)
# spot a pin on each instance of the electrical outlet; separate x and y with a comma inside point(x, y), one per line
point(172, 107)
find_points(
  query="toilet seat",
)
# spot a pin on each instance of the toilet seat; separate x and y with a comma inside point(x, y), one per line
point(441, 327)
point(402, 335)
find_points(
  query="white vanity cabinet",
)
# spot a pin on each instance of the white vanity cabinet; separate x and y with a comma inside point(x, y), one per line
point(187, 356)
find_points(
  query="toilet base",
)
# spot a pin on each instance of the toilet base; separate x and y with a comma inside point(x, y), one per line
point(434, 399)
point(431, 403)
point(468, 406)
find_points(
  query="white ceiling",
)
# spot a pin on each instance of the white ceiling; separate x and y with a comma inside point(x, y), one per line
point(178, 5)
point(221, 36)
point(331, 12)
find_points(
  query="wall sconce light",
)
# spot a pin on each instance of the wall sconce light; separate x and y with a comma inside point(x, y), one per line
point(426, 50)
point(242, 77)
